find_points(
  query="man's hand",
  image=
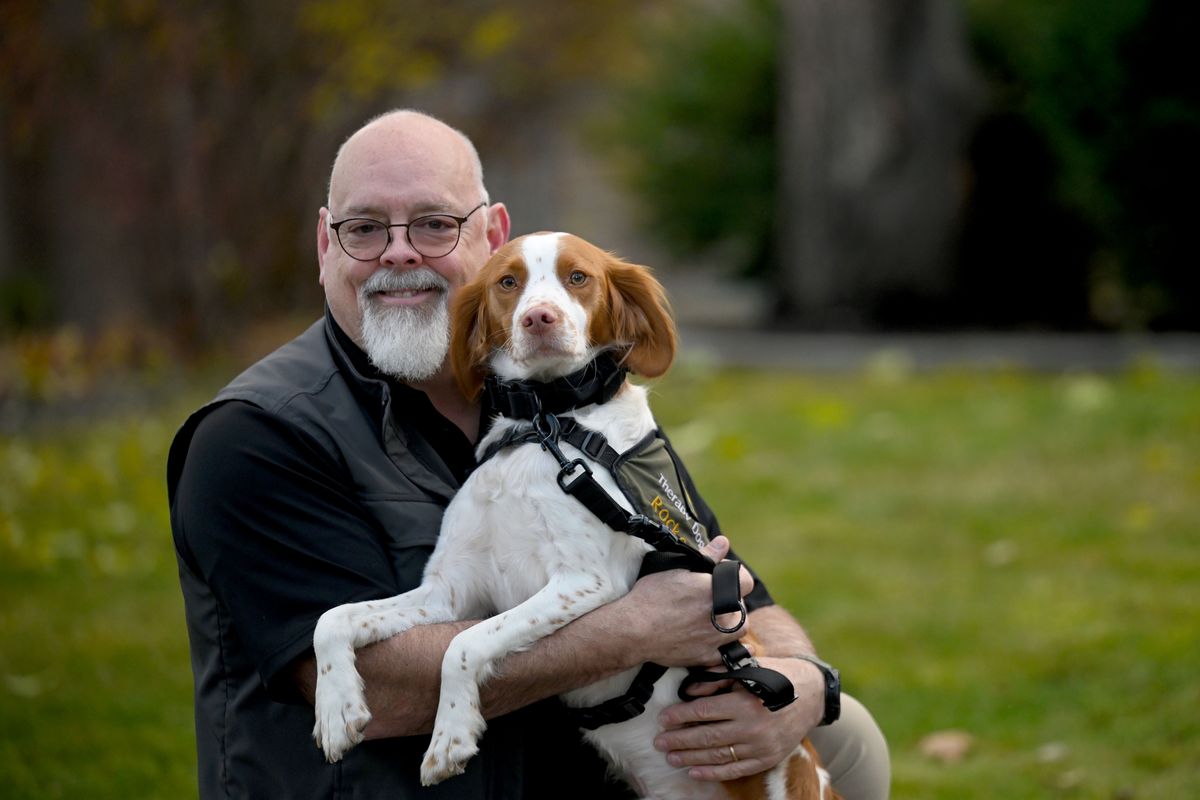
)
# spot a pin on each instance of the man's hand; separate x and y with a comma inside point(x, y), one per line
point(667, 616)
point(700, 733)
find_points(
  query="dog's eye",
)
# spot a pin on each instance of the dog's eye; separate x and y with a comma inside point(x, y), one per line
point(508, 282)
point(577, 278)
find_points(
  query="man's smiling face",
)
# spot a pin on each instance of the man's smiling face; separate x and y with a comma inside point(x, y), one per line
point(394, 171)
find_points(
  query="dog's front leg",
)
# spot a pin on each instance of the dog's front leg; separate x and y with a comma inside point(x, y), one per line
point(340, 704)
point(473, 654)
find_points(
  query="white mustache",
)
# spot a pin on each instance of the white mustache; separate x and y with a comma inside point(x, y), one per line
point(387, 280)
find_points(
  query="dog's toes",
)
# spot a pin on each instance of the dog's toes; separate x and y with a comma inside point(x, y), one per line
point(446, 757)
point(337, 736)
point(339, 724)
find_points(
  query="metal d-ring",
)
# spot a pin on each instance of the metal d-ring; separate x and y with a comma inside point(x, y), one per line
point(735, 628)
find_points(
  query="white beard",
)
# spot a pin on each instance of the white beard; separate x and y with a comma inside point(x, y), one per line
point(409, 344)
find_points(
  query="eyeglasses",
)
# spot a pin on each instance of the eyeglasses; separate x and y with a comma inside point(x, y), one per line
point(433, 236)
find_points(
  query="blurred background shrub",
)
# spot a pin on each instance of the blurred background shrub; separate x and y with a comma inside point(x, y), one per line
point(873, 164)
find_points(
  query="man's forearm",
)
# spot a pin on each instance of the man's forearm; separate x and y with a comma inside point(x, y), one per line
point(664, 619)
point(403, 674)
point(780, 632)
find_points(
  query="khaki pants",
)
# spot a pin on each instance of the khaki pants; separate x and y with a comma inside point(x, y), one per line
point(855, 753)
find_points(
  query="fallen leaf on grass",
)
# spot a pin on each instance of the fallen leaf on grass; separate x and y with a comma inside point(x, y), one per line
point(1052, 752)
point(948, 747)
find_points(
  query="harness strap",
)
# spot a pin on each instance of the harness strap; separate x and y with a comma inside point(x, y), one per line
point(771, 687)
point(623, 707)
point(727, 588)
point(576, 479)
point(593, 443)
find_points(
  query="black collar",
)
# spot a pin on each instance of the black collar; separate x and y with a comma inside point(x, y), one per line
point(595, 383)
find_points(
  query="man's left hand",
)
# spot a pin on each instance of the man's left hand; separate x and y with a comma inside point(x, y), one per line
point(725, 736)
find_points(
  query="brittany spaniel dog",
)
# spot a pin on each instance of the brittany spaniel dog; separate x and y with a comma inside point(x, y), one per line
point(543, 306)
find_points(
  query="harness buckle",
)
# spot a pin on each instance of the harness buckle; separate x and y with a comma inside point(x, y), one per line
point(593, 444)
point(632, 707)
point(737, 657)
point(650, 531)
point(568, 470)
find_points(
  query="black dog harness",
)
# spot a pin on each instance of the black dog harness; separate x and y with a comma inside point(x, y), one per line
point(666, 520)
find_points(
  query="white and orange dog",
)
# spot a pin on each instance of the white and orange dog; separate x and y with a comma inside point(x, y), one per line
point(542, 307)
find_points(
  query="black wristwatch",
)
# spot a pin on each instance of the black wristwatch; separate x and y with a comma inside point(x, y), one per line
point(833, 689)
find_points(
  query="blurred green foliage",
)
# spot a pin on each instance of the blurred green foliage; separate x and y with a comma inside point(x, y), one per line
point(184, 146)
point(1103, 92)
point(693, 132)
point(1084, 164)
point(1009, 555)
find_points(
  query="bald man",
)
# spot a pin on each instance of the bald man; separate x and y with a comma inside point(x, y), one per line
point(319, 477)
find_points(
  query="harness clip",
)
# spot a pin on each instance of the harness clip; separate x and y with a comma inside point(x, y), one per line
point(568, 470)
point(547, 427)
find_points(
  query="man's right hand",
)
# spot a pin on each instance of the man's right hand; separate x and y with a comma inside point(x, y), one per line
point(669, 615)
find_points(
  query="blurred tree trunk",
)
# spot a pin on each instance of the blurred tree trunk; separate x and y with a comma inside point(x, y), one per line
point(8, 248)
point(93, 268)
point(877, 100)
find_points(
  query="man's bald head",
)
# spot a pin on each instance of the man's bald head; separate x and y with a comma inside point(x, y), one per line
point(407, 130)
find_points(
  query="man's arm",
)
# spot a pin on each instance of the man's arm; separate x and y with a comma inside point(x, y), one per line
point(699, 734)
point(664, 619)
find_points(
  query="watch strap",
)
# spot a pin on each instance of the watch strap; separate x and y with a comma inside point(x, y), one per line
point(833, 689)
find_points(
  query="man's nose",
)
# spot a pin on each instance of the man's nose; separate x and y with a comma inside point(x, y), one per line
point(539, 319)
point(399, 251)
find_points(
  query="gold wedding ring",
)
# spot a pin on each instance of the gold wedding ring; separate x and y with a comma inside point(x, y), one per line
point(733, 753)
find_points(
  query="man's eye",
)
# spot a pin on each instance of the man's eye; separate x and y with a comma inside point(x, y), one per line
point(508, 282)
point(364, 227)
point(577, 278)
point(435, 224)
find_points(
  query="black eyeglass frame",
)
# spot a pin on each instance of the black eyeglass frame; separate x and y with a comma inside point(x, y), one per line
point(388, 228)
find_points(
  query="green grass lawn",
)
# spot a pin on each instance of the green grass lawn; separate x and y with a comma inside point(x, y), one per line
point(1011, 556)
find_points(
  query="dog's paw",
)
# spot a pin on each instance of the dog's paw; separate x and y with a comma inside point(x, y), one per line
point(446, 757)
point(454, 742)
point(341, 713)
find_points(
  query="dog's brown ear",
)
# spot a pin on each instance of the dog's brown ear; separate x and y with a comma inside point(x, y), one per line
point(641, 318)
point(470, 332)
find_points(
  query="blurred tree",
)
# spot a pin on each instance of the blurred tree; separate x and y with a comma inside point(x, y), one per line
point(693, 132)
point(1032, 246)
point(1154, 169)
point(904, 195)
point(163, 161)
point(1085, 166)
point(815, 143)
point(878, 98)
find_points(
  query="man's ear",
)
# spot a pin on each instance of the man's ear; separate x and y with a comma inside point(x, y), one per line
point(323, 242)
point(499, 226)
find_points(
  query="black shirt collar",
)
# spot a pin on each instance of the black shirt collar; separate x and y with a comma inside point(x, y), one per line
point(411, 408)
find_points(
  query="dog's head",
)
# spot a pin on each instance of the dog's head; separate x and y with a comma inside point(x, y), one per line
point(546, 304)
